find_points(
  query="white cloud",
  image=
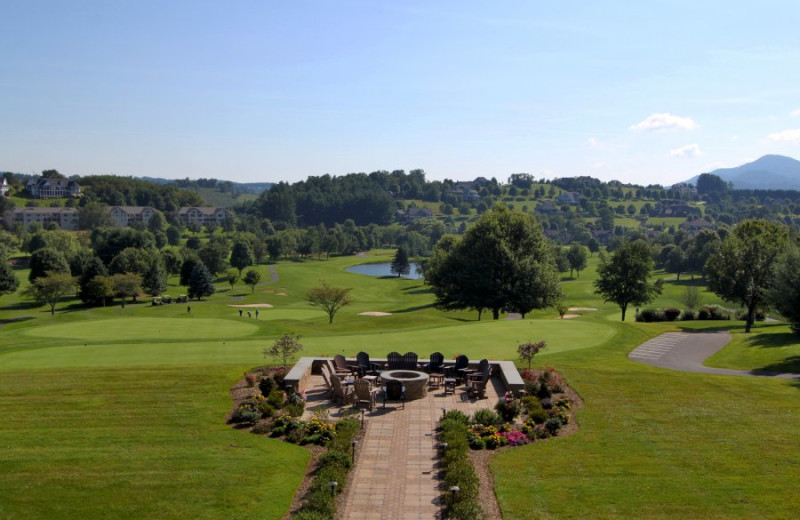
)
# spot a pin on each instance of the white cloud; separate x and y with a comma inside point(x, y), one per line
point(787, 136)
point(690, 150)
point(593, 143)
point(795, 113)
point(664, 122)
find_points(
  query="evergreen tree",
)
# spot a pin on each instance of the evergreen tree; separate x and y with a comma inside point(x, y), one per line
point(200, 282)
point(400, 265)
point(154, 281)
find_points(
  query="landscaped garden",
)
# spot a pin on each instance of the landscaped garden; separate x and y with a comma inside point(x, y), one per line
point(111, 412)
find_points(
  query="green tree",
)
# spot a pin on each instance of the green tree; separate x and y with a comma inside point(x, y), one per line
point(785, 292)
point(47, 260)
point(676, 261)
point(94, 215)
point(577, 258)
point(127, 285)
point(233, 277)
point(624, 278)
point(251, 278)
point(173, 235)
point(156, 222)
point(98, 289)
point(8, 280)
point(330, 299)
point(284, 348)
point(200, 282)
point(241, 256)
point(51, 287)
point(502, 262)
point(154, 280)
point(214, 256)
point(741, 267)
point(400, 265)
point(93, 268)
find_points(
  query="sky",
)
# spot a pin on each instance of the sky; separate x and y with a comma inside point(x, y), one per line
point(267, 91)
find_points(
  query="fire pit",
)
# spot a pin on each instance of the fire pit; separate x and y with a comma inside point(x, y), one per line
point(416, 383)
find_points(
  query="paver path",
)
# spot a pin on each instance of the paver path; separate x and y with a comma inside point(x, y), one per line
point(396, 476)
point(686, 351)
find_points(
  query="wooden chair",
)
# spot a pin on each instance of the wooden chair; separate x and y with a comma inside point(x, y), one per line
point(457, 370)
point(326, 375)
point(341, 393)
point(436, 364)
point(341, 366)
point(477, 382)
point(410, 361)
point(394, 391)
point(394, 361)
point(365, 366)
point(364, 394)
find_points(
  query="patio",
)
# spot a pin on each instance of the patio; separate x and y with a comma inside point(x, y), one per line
point(395, 475)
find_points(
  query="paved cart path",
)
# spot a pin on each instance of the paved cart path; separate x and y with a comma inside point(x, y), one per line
point(686, 351)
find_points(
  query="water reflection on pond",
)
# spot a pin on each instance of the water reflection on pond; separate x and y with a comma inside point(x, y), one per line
point(383, 269)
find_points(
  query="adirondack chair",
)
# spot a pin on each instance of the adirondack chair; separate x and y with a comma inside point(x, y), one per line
point(341, 393)
point(394, 361)
point(364, 394)
point(457, 370)
point(365, 366)
point(477, 381)
point(394, 391)
point(341, 366)
point(410, 361)
point(436, 365)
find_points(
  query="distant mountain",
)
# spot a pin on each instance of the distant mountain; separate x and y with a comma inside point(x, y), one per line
point(240, 187)
point(771, 172)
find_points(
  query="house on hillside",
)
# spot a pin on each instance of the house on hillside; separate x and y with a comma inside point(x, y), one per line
point(125, 216)
point(66, 218)
point(569, 197)
point(203, 216)
point(48, 188)
point(413, 214)
point(693, 227)
point(4, 187)
point(678, 210)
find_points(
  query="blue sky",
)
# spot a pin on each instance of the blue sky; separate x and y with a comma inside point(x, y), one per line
point(256, 91)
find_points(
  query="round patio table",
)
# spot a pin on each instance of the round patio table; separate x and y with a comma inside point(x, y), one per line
point(416, 383)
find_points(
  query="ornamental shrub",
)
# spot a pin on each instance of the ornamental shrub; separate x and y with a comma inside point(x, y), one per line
point(266, 385)
point(552, 425)
point(671, 313)
point(688, 315)
point(486, 417)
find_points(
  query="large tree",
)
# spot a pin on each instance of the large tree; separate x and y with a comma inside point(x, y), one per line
point(625, 277)
point(400, 265)
point(502, 262)
point(330, 299)
point(577, 258)
point(251, 278)
point(8, 280)
point(785, 291)
point(51, 287)
point(127, 284)
point(47, 260)
point(201, 283)
point(741, 267)
point(241, 256)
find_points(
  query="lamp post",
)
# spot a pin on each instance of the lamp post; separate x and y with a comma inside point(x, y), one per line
point(353, 444)
point(333, 485)
point(444, 412)
point(363, 411)
point(453, 492)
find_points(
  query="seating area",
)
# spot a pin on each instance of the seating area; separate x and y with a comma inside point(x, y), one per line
point(398, 449)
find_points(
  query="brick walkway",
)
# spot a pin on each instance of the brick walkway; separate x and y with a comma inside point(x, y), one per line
point(395, 476)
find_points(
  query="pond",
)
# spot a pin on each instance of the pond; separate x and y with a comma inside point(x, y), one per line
point(383, 269)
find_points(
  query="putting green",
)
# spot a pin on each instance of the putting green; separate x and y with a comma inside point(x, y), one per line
point(126, 329)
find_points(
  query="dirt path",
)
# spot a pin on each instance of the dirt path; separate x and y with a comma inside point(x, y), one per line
point(686, 352)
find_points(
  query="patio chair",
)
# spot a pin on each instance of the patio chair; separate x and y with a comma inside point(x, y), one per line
point(341, 366)
point(483, 367)
point(410, 361)
point(326, 375)
point(395, 391)
point(365, 366)
point(341, 393)
point(477, 381)
point(394, 361)
point(457, 370)
point(436, 364)
point(364, 394)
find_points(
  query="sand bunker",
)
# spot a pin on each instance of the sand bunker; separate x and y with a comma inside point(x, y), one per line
point(374, 313)
point(582, 309)
point(256, 305)
point(570, 316)
point(281, 294)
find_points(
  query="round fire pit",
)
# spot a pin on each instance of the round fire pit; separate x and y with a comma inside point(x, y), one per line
point(416, 383)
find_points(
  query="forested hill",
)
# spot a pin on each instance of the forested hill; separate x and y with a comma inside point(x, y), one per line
point(126, 191)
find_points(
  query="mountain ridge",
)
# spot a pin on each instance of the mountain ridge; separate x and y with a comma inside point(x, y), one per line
point(770, 172)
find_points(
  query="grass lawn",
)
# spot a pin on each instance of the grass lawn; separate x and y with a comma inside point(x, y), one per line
point(769, 346)
point(112, 412)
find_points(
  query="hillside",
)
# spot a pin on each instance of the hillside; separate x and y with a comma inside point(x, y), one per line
point(771, 172)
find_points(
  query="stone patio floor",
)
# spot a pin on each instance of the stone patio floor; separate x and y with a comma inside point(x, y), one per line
point(396, 476)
